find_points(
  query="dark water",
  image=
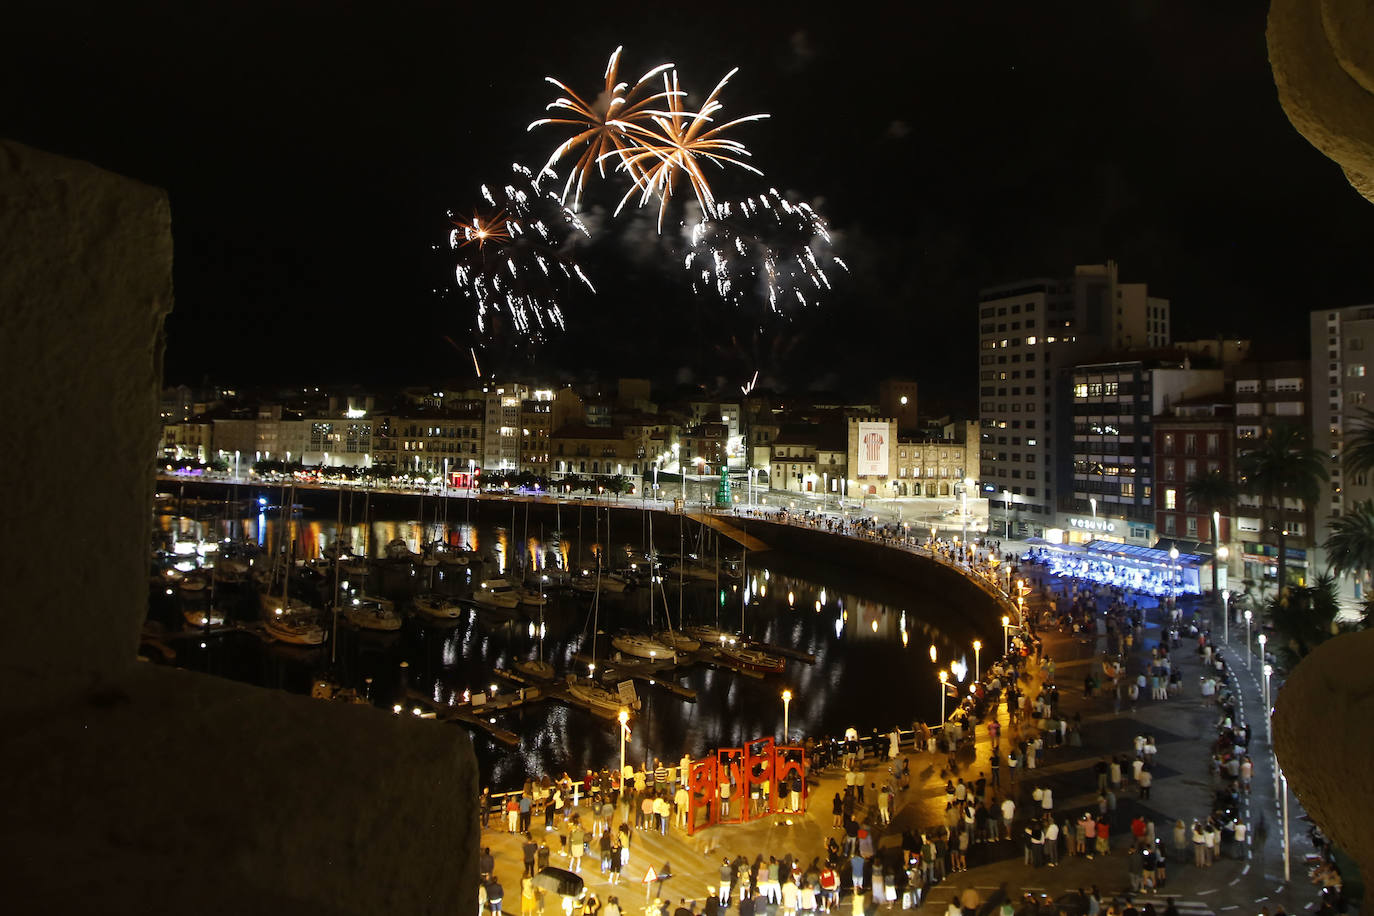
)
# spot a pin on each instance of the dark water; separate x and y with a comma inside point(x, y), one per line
point(870, 635)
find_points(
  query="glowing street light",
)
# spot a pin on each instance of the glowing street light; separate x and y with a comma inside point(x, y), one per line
point(1226, 616)
point(944, 677)
point(1006, 626)
point(977, 648)
point(786, 703)
point(1247, 639)
point(932, 653)
point(624, 717)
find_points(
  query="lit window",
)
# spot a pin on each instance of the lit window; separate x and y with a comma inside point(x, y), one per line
point(1171, 498)
point(1030, 341)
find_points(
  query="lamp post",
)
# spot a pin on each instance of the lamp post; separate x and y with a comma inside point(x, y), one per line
point(1173, 575)
point(786, 704)
point(624, 717)
point(1247, 639)
point(1006, 513)
point(1268, 670)
point(1216, 537)
point(944, 676)
point(1006, 626)
point(1226, 616)
point(977, 670)
point(968, 482)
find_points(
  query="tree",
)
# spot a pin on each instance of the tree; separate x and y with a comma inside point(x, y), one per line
point(1357, 454)
point(1304, 619)
point(1283, 465)
point(1350, 545)
point(1213, 492)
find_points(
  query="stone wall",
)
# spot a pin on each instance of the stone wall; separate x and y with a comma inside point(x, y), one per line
point(149, 790)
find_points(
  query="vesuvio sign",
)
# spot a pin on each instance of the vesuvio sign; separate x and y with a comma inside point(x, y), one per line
point(1092, 524)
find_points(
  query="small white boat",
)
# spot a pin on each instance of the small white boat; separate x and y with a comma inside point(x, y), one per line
point(496, 593)
point(371, 613)
point(536, 669)
point(643, 647)
point(531, 596)
point(754, 659)
point(437, 607)
point(291, 622)
point(454, 556)
point(598, 699)
point(678, 641)
point(193, 585)
point(710, 637)
point(204, 619)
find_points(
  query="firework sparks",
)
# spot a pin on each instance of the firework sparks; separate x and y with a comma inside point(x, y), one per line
point(678, 141)
point(513, 260)
point(766, 244)
point(602, 124)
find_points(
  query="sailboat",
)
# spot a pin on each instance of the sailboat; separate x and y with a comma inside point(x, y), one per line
point(437, 608)
point(287, 619)
point(370, 613)
point(587, 691)
point(746, 657)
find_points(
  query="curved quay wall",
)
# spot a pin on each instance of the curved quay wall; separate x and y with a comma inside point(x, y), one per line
point(919, 569)
point(914, 568)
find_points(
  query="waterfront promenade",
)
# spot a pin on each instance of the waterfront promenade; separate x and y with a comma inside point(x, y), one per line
point(1184, 729)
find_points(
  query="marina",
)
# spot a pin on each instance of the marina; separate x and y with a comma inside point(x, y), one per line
point(545, 681)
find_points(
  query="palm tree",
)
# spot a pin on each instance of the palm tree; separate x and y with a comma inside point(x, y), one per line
point(1350, 545)
point(1213, 492)
point(1305, 619)
point(1282, 465)
point(1357, 453)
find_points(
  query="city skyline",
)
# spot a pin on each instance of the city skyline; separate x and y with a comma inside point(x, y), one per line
point(312, 163)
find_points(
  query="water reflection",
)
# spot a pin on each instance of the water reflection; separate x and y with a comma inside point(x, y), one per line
point(868, 635)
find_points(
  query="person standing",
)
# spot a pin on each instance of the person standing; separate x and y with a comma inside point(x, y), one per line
point(494, 894)
point(1051, 842)
point(528, 850)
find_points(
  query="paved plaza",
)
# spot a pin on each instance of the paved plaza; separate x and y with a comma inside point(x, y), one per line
point(1249, 878)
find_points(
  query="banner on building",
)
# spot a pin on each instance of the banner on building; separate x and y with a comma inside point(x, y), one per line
point(872, 448)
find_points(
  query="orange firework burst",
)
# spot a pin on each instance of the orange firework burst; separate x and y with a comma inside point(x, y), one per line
point(602, 125)
point(482, 229)
point(677, 140)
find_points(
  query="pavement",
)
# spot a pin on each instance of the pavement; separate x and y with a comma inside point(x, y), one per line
point(1184, 728)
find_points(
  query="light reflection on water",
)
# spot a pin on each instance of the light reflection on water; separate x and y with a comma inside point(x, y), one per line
point(869, 636)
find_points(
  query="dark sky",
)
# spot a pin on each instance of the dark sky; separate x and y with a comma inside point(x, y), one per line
point(312, 150)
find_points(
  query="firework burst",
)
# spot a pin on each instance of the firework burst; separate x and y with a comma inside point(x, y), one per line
point(513, 259)
point(677, 141)
point(602, 125)
point(766, 245)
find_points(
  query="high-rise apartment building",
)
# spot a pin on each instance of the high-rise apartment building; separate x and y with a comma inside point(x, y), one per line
point(1028, 331)
point(1342, 390)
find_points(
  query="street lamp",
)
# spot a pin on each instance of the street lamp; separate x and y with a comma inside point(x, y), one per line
point(1006, 513)
point(624, 717)
point(1268, 670)
point(1226, 616)
point(1247, 639)
point(1216, 536)
point(944, 676)
point(1006, 626)
point(1173, 574)
point(786, 703)
point(932, 653)
point(977, 648)
point(968, 482)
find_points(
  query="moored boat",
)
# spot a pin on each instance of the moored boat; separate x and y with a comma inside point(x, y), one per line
point(642, 647)
point(371, 613)
point(754, 659)
point(438, 608)
point(680, 642)
point(598, 699)
point(496, 593)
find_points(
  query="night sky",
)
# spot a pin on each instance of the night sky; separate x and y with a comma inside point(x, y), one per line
point(313, 150)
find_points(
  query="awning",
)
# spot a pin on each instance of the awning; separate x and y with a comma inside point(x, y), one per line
point(1149, 555)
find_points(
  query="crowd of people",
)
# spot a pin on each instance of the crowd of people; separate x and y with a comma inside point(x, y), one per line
point(994, 802)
